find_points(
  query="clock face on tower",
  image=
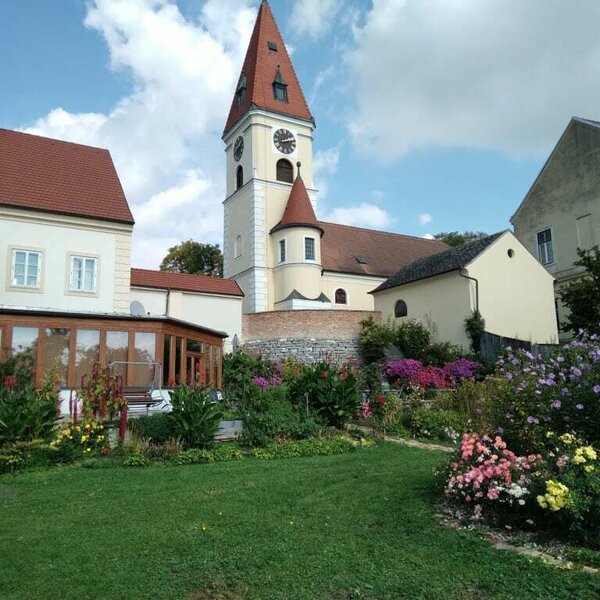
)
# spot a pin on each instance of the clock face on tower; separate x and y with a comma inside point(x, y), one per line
point(284, 141)
point(238, 148)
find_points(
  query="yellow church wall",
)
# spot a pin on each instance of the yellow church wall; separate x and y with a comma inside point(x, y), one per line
point(442, 303)
point(516, 294)
point(357, 290)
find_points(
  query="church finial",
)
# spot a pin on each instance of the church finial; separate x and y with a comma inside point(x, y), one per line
point(299, 164)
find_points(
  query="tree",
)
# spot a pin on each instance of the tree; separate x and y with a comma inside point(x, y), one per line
point(582, 297)
point(195, 258)
point(455, 238)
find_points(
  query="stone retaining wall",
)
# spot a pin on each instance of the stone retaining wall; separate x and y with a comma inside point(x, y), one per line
point(307, 335)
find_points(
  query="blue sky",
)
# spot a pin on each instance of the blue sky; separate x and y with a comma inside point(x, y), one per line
point(431, 115)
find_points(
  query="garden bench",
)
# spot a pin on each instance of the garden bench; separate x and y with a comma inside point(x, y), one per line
point(140, 396)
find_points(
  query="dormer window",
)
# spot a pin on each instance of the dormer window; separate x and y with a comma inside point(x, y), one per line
point(240, 92)
point(272, 46)
point(280, 87)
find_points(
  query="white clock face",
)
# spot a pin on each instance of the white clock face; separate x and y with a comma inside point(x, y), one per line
point(284, 141)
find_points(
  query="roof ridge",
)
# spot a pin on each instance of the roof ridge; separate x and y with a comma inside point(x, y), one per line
point(394, 233)
point(202, 276)
point(52, 139)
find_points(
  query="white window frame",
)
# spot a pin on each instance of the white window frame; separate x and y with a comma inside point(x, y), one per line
point(12, 282)
point(72, 256)
point(542, 251)
point(281, 256)
point(310, 260)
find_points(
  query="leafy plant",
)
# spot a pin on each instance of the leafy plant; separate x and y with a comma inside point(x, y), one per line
point(412, 338)
point(26, 413)
point(374, 339)
point(135, 460)
point(239, 370)
point(475, 328)
point(159, 427)
point(101, 394)
point(196, 417)
point(84, 438)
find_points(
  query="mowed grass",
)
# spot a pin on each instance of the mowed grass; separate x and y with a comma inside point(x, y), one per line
point(355, 526)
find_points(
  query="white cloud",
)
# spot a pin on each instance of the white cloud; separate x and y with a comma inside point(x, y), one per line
point(313, 18)
point(425, 218)
point(429, 236)
point(325, 164)
point(165, 136)
point(501, 74)
point(364, 215)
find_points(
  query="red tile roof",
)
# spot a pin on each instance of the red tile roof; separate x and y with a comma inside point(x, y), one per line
point(40, 173)
point(298, 210)
point(259, 69)
point(184, 282)
point(355, 250)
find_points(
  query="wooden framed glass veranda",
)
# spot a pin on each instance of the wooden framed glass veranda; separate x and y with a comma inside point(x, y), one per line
point(186, 353)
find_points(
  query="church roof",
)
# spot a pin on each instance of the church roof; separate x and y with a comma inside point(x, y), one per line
point(298, 211)
point(44, 174)
point(184, 282)
point(358, 251)
point(442, 262)
point(267, 59)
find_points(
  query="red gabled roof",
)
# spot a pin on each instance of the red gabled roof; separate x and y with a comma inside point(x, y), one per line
point(298, 210)
point(260, 68)
point(184, 282)
point(49, 175)
point(346, 249)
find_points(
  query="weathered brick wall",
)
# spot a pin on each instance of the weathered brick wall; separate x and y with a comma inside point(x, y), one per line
point(307, 335)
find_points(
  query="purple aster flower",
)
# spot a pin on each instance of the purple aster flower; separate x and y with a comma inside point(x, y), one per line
point(560, 359)
point(509, 376)
point(579, 406)
point(556, 404)
point(531, 420)
point(596, 389)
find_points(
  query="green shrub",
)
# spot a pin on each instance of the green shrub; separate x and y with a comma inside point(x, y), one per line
point(225, 452)
point(412, 339)
point(475, 328)
point(424, 422)
point(270, 416)
point(374, 339)
point(196, 417)
point(28, 414)
point(238, 371)
point(194, 457)
point(439, 354)
point(21, 455)
point(159, 427)
point(135, 460)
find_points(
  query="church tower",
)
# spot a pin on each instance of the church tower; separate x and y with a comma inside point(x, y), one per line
point(271, 235)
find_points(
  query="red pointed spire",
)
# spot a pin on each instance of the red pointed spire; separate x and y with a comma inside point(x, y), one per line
point(298, 211)
point(267, 62)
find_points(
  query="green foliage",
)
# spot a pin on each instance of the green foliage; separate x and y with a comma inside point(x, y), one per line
point(21, 455)
point(455, 238)
point(475, 328)
point(194, 456)
point(425, 422)
point(28, 414)
point(374, 339)
point(194, 258)
point(101, 394)
point(270, 416)
point(238, 371)
point(412, 339)
point(369, 379)
point(582, 297)
point(331, 391)
point(84, 438)
point(17, 370)
point(135, 460)
point(225, 452)
point(159, 427)
point(196, 417)
point(440, 353)
point(483, 402)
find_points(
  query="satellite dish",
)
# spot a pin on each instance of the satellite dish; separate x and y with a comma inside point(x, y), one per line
point(136, 308)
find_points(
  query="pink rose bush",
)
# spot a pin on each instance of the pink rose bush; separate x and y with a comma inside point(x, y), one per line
point(487, 474)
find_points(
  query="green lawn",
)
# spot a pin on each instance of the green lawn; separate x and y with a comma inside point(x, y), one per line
point(353, 526)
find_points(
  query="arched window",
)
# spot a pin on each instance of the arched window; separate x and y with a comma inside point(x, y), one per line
point(340, 296)
point(285, 171)
point(237, 247)
point(400, 310)
point(239, 178)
